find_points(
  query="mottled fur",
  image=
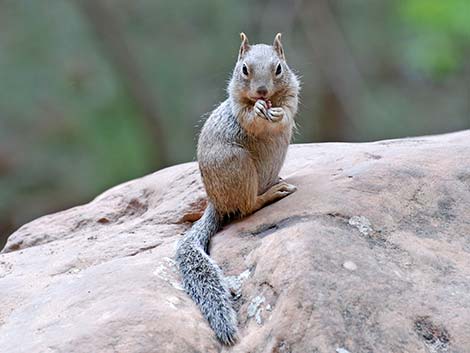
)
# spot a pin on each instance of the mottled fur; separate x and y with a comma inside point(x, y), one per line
point(241, 150)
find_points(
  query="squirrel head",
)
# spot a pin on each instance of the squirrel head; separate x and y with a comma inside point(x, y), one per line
point(261, 72)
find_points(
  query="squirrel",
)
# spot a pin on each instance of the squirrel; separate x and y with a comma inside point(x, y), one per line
point(241, 149)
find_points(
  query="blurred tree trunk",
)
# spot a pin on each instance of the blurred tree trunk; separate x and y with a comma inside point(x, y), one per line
point(110, 36)
point(332, 119)
point(344, 86)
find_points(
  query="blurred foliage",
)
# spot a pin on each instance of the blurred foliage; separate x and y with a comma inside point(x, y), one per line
point(70, 127)
point(443, 29)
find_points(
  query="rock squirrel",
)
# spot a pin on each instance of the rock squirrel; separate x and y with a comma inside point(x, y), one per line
point(241, 149)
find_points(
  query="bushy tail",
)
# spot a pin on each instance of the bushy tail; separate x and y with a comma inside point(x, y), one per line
point(203, 279)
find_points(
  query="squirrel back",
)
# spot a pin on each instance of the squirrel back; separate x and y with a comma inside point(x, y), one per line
point(241, 149)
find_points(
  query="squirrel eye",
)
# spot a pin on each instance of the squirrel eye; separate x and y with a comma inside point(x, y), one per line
point(245, 70)
point(278, 69)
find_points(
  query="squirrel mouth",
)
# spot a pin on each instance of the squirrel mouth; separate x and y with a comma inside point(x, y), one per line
point(256, 98)
point(253, 100)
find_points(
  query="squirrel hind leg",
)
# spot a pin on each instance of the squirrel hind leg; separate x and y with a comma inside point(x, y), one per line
point(274, 193)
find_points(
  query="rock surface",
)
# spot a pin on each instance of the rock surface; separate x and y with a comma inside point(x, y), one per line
point(371, 254)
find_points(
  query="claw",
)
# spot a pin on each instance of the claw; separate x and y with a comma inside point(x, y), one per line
point(276, 114)
point(261, 109)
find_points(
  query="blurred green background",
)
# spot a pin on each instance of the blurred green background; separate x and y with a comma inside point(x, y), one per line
point(95, 92)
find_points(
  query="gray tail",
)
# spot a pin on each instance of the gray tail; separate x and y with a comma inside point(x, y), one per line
point(203, 279)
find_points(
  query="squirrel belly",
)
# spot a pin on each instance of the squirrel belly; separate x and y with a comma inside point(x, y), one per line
point(241, 149)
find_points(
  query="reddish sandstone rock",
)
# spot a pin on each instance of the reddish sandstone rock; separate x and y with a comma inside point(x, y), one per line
point(371, 254)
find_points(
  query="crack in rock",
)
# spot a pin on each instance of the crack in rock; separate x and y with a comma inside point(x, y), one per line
point(436, 337)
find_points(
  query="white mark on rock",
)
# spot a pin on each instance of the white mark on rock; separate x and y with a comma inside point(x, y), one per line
point(269, 307)
point(398, 274)
point(362, 224)
point(166, 270)
point(106, 316)
point(235, 282)
point(258, 318)
point(244, 275)
point(342, 350)
point(254, 305)
point(173, 302)
point(349, 265)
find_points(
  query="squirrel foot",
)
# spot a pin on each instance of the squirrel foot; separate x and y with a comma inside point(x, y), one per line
point(274, 193)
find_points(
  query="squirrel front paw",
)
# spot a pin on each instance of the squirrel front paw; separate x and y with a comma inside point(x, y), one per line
point(275, 114)
point(265, 111)
point(261, 109)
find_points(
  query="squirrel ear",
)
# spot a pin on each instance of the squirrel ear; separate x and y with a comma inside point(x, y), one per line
point(278, 46)
point(244, 46)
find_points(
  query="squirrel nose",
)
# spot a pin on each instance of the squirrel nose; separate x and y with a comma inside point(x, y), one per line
point(262, 91)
